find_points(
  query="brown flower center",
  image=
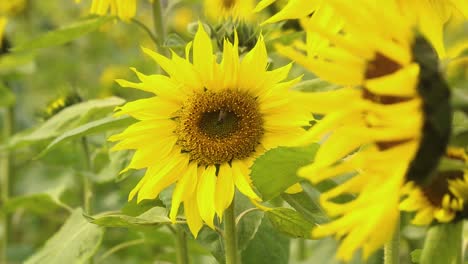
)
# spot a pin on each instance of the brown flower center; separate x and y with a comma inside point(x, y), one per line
point(217, 127)
point(228, 3)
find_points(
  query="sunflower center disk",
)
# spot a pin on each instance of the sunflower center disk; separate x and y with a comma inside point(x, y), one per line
point(228, 3)
point(217, 127)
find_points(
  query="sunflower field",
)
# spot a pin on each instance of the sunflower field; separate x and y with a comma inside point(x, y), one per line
point(234, 131)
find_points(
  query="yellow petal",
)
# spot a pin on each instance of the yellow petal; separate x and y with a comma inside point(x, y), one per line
point(224, 189)
point(203, 53)
point(206, 194)
point(184, 189)
point(192, 214)
point(241, 173)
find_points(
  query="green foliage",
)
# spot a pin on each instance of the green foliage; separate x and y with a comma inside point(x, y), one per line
point(443, 244)
point(98, 126)
point(75, 242)
point(155, 216)
point(65, 34)
point(275, 171)
point(7, 98)
point(267, 247)
point(290, 222)
point(67, 120)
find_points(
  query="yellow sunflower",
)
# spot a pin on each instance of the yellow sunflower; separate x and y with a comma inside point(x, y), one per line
point(3, 22)
point(207, 124)
point(229, 9)
point(12, 7)
point(124, 9)
point(444, 198)
point(389, 124)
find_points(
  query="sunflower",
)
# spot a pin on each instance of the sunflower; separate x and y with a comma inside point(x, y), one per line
point(388, 125)
point(12, 7)
point(444, 198)
point(229, 9)
point(3, 22)
point(124, 9)
point(207, 124)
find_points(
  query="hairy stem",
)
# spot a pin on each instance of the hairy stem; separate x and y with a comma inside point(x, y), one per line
point(230, 237)
point(181, 246)
point(392, 248)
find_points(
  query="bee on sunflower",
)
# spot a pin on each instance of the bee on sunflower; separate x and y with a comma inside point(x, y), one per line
point(389, 125)
point(207, 123)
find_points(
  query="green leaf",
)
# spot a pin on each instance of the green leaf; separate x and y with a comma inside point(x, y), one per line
point(7, 98)
point(75, 242)
point(267, 247)
point(249, 223)
point(154, 217)
point(275, 171)
point(118, 160)
point(290, 222)
point(315, 85)
point(98, 126)
point(11, 61)
point(416, 255)
point(307, 203)
point(65, 120)
point(41, 203)
point(443, 244)
point(173, 40)
point(65, 34)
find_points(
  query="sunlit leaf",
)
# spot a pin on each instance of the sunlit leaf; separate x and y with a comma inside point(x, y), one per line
point(98, 126)
point(275, 171)
point(290, 222)
point(153, 217)
point(65, 120)
point(65, 34)
point(75, 242)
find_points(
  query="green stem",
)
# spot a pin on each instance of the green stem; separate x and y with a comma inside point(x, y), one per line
point(392, 248)
point(5, 180)
point(181, 246)
point(230, 237)
point(87, 185)
point(159, 26)
point(301, 250)
point(147, 30)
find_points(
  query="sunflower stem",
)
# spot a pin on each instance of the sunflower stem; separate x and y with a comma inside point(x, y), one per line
point(392, 248)
point(181, 246)
point(5, 163)
point(159, 26)
point(87, 185)
point(230, 237)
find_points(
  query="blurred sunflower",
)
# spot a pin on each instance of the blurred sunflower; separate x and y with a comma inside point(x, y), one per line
point(3, 22)
point(389, 125)
point(124, 9)
point(229, 9)
point(444, 198)
point(207, 124)
point(12, 7)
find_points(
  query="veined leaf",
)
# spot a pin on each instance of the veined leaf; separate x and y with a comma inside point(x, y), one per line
point(104, 124)
point(290, 222)
point(65, 120)
point(153, 217)
point(75, 242)
point(275, 171)
point(65, 34)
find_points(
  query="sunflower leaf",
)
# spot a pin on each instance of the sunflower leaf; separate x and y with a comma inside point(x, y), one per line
point(101, 125)
point(281, 165)
point(65, 34)
point(443, 244)
point(290, 222)
point(65, 120)
point(268, 246)
point(75, 242)
point(154, 217)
